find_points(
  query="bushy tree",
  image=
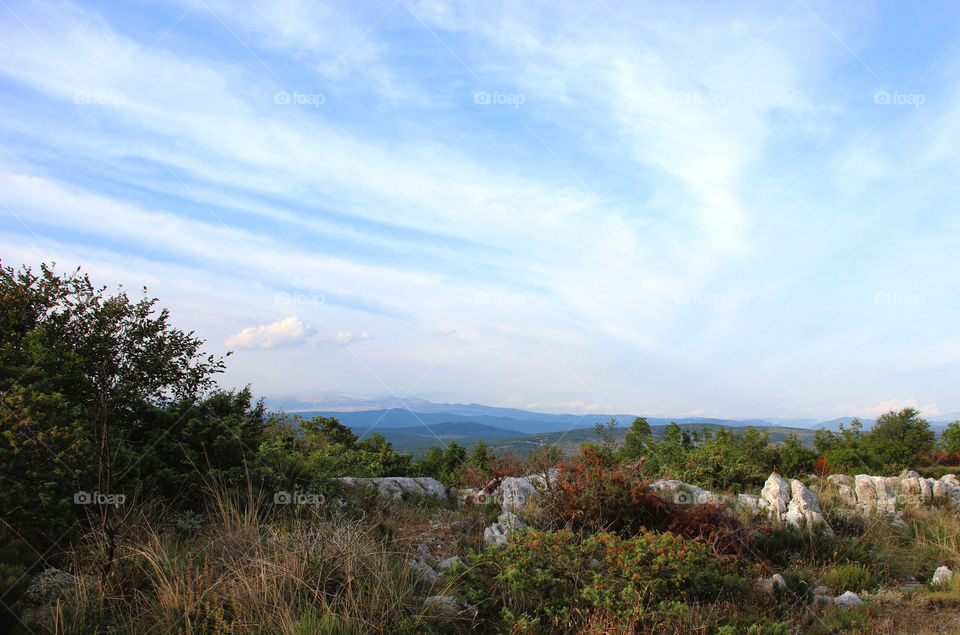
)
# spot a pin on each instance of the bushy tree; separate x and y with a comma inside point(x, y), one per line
point(638, 441)
point(899, 439)
point(950, 439)
point(83, 374)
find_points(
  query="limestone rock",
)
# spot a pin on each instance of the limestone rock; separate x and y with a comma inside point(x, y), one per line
point(941, 575)
point(776, 496)
point(803, 506)
point(841, 479)
point(848, 600)
point(423, 569)
point(496, 534)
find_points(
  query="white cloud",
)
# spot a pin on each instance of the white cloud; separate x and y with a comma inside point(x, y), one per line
point(929, 410)
point(287, 332)
point(345, 338)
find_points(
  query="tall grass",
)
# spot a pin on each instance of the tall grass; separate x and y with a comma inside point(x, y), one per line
point(251, 567)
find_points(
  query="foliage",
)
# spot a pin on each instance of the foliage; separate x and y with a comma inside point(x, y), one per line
point(899, 439)
point(548, 579)
point(850, 577)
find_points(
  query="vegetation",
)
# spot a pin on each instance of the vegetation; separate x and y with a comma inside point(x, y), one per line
point(139, 494)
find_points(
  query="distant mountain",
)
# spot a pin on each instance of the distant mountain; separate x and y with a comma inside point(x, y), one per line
point(417, 440)
point(384, 413)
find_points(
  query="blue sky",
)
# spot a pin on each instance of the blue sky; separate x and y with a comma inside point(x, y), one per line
point(735, 209)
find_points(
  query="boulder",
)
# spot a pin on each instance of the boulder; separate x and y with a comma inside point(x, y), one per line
point(841, 479)
point(394, 487)
point(803, 507)
point(496, 534)
point(749, 502)
point(425, 571)
point(776, 496)
point(848, 600)
point(847, 495)
point(683, 493)
point(514, 492)
point(941, 575)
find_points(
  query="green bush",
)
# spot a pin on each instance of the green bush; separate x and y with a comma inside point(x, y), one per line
point(850, 577)
point(798, 590)
point(547, 579)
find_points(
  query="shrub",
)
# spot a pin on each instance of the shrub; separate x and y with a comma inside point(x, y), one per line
point(548, 579)
point(850, 577)
point(798, 590)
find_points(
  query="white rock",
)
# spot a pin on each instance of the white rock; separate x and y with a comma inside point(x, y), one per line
point(848, 600)
point(515, 492)
point(776, 494)
point(683, 493)
point(847, 495)
point(841, 479)
point(775, 581)
point(803, 506)
point(496, 534)
point(909, 474)
point(941, 575)
point(749, 502)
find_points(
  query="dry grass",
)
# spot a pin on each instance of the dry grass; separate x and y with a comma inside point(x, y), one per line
point(250, 568)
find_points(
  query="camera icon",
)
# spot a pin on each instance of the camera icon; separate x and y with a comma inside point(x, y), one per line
point(282, 498)
point(881, 97)
point(82, 498)
point(483, 97)
point(281, 298)
point(683, 498)
point(882, 298)
point(282, 98)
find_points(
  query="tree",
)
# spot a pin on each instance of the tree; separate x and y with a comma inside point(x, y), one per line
point(482, 457)
point(899, 439)
point(97, 367)
point(950, 438)
point(638, 440)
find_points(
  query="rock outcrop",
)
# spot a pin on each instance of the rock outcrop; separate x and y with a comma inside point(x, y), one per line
point(496, 534)
point(803, 510)
point(394, 487)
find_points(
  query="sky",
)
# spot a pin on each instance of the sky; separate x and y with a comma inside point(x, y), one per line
point(720, 209)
